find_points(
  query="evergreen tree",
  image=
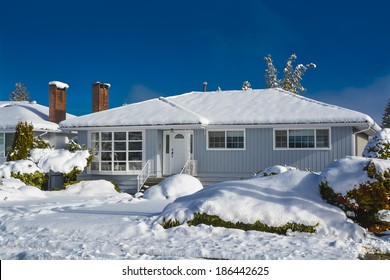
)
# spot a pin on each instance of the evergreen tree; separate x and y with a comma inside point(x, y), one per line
point(20, 93)
point(386, 116)
point(22, 142)
point(292, 77)
point(271, 76)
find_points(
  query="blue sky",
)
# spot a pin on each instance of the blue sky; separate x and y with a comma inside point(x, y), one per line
point(146, 49)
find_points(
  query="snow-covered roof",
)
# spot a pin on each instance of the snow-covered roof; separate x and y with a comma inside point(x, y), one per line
point(11, 112)
point(239, 107)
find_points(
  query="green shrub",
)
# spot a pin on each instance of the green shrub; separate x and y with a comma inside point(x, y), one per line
point(116, 186)
point(36, 179)
point(22, 142)
point(39, 143)
point(214, 220)
point(362, 204)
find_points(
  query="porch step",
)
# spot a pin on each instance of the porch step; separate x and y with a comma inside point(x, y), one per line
point(151, 181)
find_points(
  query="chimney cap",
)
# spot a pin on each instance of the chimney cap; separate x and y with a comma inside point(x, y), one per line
point(59, 85)
point(105, 84)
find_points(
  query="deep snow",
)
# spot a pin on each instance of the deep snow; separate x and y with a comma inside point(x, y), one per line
point(90, 220)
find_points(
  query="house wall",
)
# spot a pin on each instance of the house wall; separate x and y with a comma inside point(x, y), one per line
point(214, 166)
point(361, 142)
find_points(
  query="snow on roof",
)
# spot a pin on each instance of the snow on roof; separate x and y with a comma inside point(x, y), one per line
point(59, 85)
point(11, 112)
point(255, 107)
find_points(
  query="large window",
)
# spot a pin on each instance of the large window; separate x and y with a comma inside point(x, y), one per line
point(302, 139)
point(117, 151)
point(226, 139)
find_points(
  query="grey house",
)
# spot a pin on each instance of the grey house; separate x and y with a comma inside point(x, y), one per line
point(218, 136)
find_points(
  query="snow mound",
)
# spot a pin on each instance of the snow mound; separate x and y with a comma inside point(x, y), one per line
point(273, 170)
point(22, 166)
point(348, 173)
point(292, 196)
point(31, 192)
point(93, 188)
point(15, 190)
point(173, 187)
point(59, 160)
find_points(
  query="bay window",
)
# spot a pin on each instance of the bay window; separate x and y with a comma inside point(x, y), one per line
point(117, 151)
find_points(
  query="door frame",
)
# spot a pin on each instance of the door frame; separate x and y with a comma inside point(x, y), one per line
point(168, 136)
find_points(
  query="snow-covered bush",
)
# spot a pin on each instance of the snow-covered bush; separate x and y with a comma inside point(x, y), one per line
point(22, 142)
point(173, 187)
point(359, 186)
point(25, 170)
point(379, 145)
point(274, 170)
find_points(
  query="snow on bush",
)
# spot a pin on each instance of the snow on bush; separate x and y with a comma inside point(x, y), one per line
point(289, 197)
point(379, 145)
point(360, 186)
point(20, 166)
point(173, 187)
point(59, 160)
point(91, 188)
point(273, 170)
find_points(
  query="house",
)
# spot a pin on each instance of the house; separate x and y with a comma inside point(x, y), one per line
point(44, 119)
point(221, 135)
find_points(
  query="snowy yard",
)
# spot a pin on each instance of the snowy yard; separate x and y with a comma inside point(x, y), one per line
point(90, 220)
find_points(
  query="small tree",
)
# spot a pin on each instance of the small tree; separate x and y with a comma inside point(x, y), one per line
point(20, 93)
point(386, 116)
point(22, 142)
point(246, 85)
point(271, 74)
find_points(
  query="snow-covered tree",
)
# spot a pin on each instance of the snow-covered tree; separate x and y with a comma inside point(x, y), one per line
point(22, 142)
point(20, 93)
point(271, 74)
point(379, 145)
point(287, 82)
point(386, 116)
point(246, 85)
point(292, 77)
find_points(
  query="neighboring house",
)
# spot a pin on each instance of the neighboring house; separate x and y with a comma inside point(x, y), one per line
point(220, 135)
point(44, 120)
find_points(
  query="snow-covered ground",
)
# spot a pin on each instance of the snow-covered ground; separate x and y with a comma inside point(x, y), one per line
point(90, 220)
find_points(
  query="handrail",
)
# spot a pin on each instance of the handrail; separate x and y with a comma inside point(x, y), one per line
point(190, 168)
point(144, 175)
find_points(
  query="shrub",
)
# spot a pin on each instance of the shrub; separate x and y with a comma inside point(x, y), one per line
point(362, 203)
point(214, 220)
point(39, 143)
point(36, 179)
point(22, 142)
point(379, 145)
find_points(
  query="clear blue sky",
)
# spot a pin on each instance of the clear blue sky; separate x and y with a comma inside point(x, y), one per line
point(150, 48)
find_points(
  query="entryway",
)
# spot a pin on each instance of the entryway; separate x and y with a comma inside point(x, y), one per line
point(178, 148)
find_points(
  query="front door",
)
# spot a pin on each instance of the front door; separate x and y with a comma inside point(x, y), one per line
point(177, 150)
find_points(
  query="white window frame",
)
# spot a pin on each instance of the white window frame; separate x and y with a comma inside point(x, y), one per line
point(225, 148)
point(113, 171)
point(305, 148)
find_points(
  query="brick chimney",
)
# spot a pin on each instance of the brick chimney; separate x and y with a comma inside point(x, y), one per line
point(99, 96)
point(57, 100)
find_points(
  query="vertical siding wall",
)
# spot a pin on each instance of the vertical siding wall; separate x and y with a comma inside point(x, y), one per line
point(260, 154)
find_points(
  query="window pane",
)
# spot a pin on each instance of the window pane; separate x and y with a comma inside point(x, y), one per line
point(135, 146)
point(167, 144)
point(120, 146)
point(301, 138)
point(281, 138)
point(106, 136)
point(106, 166)
point(106, 146)
point(235, 140)
point(95, 166)
point(135, 156)
point(322, 138)
point(216, 139)
point(106, 156)
point(135, 135)
point(120, 166)
point(121, 156)
point(136, 165)
point(120, 135)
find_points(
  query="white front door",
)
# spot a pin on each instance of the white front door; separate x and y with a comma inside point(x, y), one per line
point(177, 150)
